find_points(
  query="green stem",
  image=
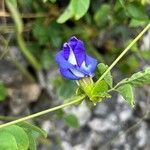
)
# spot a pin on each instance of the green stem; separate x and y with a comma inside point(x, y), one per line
point(77, 99)
point(7, 118)
point(124, 52)
point(19, 29)
point(27, 53)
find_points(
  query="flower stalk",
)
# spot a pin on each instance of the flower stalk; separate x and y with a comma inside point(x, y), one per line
point(124, 52)
point(75, 101)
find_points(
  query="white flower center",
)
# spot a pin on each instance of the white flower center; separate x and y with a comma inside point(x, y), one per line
point(72, 58)
point(85, 67)
point(77, 73)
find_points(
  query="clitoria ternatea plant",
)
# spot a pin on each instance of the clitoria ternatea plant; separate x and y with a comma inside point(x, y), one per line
point(88, 90)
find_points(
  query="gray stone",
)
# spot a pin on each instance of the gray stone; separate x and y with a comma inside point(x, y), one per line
point(80, 147)
point(141, 135)
point(47, 126)
point(82, 112)
point(66, 145)
point(101, 109)
point(146, 42)
point(103, 125)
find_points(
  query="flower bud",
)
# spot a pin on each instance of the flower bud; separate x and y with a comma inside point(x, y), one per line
point(73, 62)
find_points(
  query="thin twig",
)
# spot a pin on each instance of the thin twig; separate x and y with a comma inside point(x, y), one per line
point(77, 100)
point(29, 15)
point(124, 52)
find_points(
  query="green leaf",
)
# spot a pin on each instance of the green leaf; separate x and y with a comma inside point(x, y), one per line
point(145, 54)
point(137, 11)
point(20, 136)
point(61, 84)
point(100, 87)
point(138, 79)
point(108, 77)
point(99, 92)
point(98, 98)
point(3, 92)
point(127, 93)
point(102, 16)
point(122, 2)
point(76, 8)
point(67, 14)
point(40, 32)
point(32, 142)
point(46, 59)
point(71, 120)
point(137, 23)
point(87, 88)
point(7, 141)
point(33, 133)
point(30, 127)
point(81, 7)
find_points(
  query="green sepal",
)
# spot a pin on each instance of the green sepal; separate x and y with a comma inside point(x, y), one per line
point(86, 85)
point(98, 98)
point(95, 92)
point(79, 91)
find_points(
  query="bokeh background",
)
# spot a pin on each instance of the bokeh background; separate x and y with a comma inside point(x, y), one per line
point(30, 81)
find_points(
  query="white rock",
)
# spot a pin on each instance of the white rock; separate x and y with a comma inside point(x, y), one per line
point(80, 147)
point(101, 109)
point(124, 110)
point(141, 134)
point(121, 140)
point(125, 115)
point(47, 126)
point(120, 99)
point(93, 139)
point(82, 112)
point(103, 125)
point(127, 147)
point(66, 145)
point(146, 42)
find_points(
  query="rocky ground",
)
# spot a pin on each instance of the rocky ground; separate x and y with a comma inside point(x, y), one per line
point(111, 125)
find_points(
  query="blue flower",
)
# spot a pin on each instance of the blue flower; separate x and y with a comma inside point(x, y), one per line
point(74, 63)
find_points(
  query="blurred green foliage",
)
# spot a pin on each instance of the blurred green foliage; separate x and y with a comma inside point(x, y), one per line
point(76, 9)
point(105, 27)
point(3, 92)
point(71, 120)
